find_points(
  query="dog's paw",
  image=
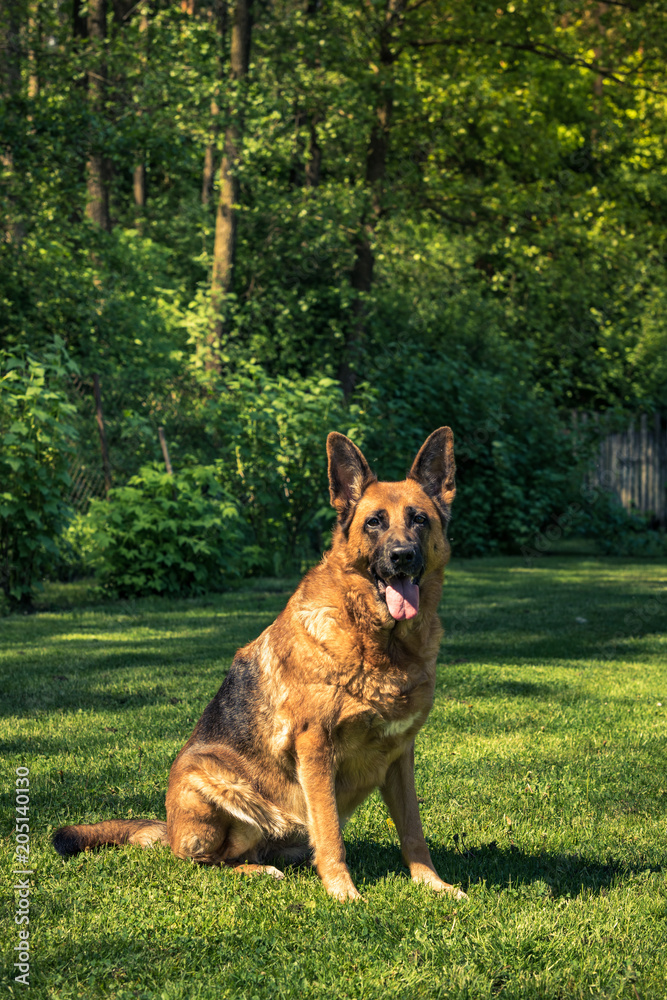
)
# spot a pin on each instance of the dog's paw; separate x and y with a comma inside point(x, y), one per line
point(248, 869)
point(337, 881)
point(342, 888)
point(456, 893)
point(451, 890)
point(273, 872)
point(345, 894)
point(433, 881)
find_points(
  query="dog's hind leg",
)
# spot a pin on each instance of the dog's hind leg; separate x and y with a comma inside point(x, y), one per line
point(251, 869)
point(215, 816)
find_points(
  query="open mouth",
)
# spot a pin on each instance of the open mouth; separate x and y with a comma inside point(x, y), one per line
point(401, 594)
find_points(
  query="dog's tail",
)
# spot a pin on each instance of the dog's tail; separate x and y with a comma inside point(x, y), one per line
point(70, 840)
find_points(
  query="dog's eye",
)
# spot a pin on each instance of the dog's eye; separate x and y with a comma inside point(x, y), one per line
point(373, 522)
point(419, 519)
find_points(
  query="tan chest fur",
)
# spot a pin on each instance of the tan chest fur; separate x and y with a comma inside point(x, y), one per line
point(371, 699)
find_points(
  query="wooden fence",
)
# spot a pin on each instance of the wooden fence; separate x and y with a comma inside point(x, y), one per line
point(633, 463)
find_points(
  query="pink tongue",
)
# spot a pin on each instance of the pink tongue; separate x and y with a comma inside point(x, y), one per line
point(402, 597)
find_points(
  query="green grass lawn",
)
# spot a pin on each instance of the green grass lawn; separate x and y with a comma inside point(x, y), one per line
point(542, 770)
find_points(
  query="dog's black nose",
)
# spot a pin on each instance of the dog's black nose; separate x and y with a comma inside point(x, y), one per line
point(404, 559)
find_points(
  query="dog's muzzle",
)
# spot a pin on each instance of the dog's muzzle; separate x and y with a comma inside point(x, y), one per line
point(397, 576)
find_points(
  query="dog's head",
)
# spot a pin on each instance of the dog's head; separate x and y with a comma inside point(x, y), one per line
point(394, 533)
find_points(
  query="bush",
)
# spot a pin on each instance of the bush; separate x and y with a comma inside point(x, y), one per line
point(37, 435)
point(78, 550)
point(171, 535)
point(260, 507)
point(515, 457)
point(270, 436)
point(617, 531)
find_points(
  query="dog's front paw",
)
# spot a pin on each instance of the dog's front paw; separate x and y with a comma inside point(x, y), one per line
point(273, 872)
point(344, 893)
point(451, 889)
point(340, 886)
point(430, 878)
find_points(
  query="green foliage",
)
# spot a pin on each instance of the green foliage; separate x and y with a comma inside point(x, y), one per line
point(264, 439)
point(514, 455)
point(270, 434)
point(114, 299)
point(164, 534)
point(516, 181)
point(513, 203)
point(617, 531)
point(37, 434)
point(78, 551)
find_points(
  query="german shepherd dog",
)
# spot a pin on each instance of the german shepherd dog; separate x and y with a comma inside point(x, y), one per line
point(325, 705)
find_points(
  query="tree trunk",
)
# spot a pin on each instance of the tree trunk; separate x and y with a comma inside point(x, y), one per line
point(224, 250)
point(165, 451)
point(78, 30)
point(314, 161)
point(34, 50)
point(209, 159)
point(139, 186)
point(139, 178)
point(208, 172)
point(217, 14)
point(10, 74)
point(97, 206)
point(361, 276)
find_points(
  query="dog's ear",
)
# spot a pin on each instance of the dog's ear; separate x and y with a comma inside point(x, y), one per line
point(349, 473)
point(434, 469)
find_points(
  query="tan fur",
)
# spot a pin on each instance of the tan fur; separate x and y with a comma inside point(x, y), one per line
point(338, 691)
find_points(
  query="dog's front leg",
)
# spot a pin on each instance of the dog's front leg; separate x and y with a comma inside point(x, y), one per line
point(399, 793)
point(316, 777)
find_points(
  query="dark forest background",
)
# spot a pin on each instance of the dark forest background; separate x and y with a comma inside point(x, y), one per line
point(250, 223)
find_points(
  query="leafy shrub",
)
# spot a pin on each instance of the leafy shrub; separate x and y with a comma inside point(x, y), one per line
point(617, 531)
point(78, 550)
point(37, 435)
point(112, 298)
point(270, 436)
point(515, 457)
point(170, 535)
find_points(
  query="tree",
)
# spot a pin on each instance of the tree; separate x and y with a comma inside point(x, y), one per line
point(218, 17)
point(395, 178)
point(10, 46)
point(361, 277)
point(97, 169)
point(224, 250)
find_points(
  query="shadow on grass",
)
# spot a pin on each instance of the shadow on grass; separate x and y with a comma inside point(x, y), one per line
point(562, 646)
point(514, 689)
point(102, 701)
point(73, 662)
point(86, 682)
point(54, 632)
point(501, 868)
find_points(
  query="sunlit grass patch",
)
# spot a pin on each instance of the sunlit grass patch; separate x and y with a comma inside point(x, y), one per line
point(541, 772)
